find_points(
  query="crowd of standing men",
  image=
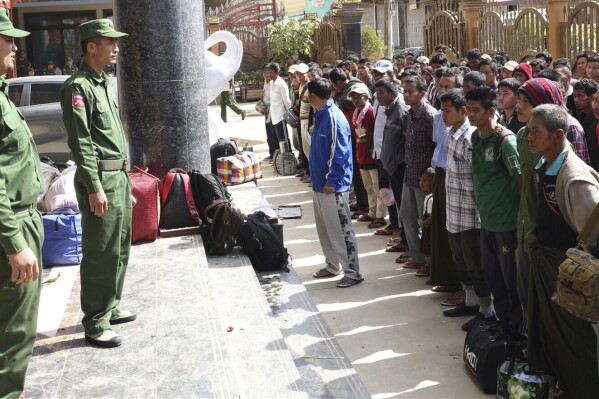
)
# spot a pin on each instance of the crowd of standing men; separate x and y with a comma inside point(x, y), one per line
point(486, 169)
point(98, 145)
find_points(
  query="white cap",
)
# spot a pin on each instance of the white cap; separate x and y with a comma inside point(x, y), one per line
point(383, 66)
point(301, 68)
point(359, 88)
point(510, 65)
point(423, 60)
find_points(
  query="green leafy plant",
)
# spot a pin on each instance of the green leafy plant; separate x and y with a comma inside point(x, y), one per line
point(254, 78)
point(289, 37)
point(373, 45)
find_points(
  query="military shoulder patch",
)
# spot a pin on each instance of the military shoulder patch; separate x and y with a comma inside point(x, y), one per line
point(78, 100)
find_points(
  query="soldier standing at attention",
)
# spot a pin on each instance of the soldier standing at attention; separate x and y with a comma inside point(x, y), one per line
point(97, 142)
point(21, 230)
point(69, 68)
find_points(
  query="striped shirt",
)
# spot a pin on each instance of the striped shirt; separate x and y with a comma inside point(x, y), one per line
point(461, 209)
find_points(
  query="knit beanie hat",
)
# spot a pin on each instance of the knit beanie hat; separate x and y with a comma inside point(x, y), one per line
point(542, 91)
point(525, 68)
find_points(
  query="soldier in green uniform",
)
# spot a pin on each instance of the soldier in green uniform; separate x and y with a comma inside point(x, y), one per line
point(69, 68)
point(97, 142)
point(51, 69)
point(21, 230)
point(227, 99)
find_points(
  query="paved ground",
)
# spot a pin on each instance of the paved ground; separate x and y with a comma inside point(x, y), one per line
point(390, 326)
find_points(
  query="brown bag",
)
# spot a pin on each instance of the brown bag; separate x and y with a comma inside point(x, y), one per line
point(578, 279)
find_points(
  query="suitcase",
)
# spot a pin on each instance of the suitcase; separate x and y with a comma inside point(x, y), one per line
point(239, 168)
point(62, 238)
point(145, 188)
point(222, 148)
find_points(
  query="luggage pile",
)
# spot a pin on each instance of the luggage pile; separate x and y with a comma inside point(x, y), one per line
point(60, 215)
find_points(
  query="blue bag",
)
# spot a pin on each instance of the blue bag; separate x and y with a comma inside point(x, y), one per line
point(62, 238)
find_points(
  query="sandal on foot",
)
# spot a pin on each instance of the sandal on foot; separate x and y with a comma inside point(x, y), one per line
point(365, 218)
point(376, 223)
point(348, 282)
point(387, 231)
point(322, 273)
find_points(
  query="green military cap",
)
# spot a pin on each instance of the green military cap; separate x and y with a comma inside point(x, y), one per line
point(50, 62)
point(7, 29)
point(69, 59)
point(98, 27)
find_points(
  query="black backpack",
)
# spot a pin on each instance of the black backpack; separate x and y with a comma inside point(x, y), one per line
point(178, 208)
point(222, 148)
point(221, 235)
point(262, 245)
point(207, 188)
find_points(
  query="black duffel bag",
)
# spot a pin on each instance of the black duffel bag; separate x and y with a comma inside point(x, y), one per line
point(485, 349)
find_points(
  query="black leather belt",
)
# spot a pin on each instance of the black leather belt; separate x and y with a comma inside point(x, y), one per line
point(22, 209)
point(108, 165)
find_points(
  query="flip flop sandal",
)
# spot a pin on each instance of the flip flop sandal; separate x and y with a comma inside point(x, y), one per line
point(365, 218)
point(384, 232)
point(393, 240)
point(376, 225)
point(348, 282)
point(322, 273)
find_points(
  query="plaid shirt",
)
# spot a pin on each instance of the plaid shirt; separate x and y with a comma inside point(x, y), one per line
point(419, 143)
point(575, 135)
point(461, 209)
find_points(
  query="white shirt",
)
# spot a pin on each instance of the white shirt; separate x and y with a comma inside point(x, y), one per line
point(279, 99)
point(379, 128)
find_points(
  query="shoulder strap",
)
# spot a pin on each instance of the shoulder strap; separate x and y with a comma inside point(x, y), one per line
point(189, 198)
point(589, 225)
point(502, 135)
point(167, 182)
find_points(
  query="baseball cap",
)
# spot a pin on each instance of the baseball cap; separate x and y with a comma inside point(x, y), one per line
point(292, 69)
point(510, 65)
point(486, 57)
point(7, 29)
point(301, 68)
point(359, 88)
point(423, 60)
point(98, 27)
point(383, 66)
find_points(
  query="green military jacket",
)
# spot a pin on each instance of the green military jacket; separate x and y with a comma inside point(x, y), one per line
point(70, 71)
point(529, 197)
point(91, 116)
point(20, 171)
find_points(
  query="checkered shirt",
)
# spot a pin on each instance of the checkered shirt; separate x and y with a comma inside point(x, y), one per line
point(576, 136)
point(419, 143)
point(461, 209)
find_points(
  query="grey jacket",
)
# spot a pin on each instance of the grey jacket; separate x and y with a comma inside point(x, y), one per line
point(394, 140)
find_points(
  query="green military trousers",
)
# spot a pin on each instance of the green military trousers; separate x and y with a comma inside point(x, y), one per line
point(18, 311)
point(105, 243)
point(226, 100)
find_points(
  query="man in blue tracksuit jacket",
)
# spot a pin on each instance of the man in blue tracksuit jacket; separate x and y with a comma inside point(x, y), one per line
point(331, 171)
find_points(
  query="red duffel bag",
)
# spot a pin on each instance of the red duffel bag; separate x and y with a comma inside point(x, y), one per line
point(145, 188)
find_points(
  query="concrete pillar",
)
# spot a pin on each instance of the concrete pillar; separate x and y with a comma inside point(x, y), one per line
point(555, 17)
point(351, 22)
point(472, 10)
point(162, 85)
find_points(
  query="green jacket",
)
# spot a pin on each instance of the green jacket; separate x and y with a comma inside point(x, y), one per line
point(529, 197)
point(70, 71)
point(91, 116)
point(20, 171)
